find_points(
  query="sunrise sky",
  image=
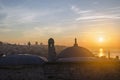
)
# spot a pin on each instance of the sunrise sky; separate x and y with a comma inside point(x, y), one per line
point(92, 22)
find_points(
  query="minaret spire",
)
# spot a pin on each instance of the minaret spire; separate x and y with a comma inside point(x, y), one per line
point(75, 42)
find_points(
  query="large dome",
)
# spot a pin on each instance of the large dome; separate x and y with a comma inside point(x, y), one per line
point(21, 59)
point(75, 52)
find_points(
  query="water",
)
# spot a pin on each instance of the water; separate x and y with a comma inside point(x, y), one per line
point(102, 52)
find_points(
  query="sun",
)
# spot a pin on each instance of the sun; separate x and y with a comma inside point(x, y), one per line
point(101, 39)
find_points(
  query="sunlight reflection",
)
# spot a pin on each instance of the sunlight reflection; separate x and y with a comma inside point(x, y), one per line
point(101, 52)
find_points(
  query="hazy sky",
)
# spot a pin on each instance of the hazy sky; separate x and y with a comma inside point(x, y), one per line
point(38, 20)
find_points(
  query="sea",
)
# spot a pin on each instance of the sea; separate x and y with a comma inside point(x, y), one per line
point(103, 52)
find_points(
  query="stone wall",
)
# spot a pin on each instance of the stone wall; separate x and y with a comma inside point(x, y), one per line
point(63, 71)
point(24, 73)
point(82, 71)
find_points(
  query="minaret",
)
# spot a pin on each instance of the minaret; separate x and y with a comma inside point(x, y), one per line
point(108, 54)
point(51, 50)
point(75, 45)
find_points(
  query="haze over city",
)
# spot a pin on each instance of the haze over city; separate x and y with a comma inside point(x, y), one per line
point(93, 22)
point(59, 39)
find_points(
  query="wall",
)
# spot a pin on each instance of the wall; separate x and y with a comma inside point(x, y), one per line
point(64, 71)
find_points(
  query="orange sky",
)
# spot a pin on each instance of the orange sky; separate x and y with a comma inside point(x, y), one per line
point(28, 20)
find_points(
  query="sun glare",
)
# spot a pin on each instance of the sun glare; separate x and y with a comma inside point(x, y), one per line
point(101, 39)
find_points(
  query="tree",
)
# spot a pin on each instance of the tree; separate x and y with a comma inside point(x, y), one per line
point(29, 43)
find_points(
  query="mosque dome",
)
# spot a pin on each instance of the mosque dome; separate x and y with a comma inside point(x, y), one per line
point(75, 53)
point(21, 59)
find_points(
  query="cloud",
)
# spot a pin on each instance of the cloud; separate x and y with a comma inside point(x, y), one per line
point(80, 11)
point(26, 15)
point(41, 31)
point(114, 8)
point(74, 8)
point(84, 11)
point(51, 30)
point(2, 16)
point(95, 3)
point(98, 17)
point(111, 10)
point(5, 29)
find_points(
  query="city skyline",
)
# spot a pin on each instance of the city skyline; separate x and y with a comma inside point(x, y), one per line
point(92, 22)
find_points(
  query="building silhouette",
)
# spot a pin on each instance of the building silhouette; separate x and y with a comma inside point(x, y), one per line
point(76, 45)
point(73, 63)
point(75, 53)
point(51, 50)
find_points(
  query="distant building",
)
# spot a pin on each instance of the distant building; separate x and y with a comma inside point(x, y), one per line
point(36, 43)
point(117, 58)
point(73, 63)
point(41, 44)
point(1, 43)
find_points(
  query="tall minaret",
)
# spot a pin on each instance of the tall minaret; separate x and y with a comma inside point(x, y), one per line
point(75, 45)
point(108, 54)
point(51, 50)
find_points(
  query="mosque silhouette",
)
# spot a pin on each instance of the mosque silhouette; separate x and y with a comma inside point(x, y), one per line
point(73, 63)
point(70, 54)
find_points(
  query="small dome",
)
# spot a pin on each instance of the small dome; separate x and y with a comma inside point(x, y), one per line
point(21, 59)
point(75, 52)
